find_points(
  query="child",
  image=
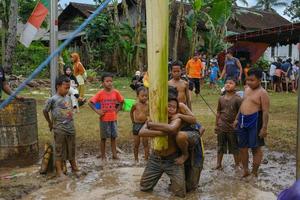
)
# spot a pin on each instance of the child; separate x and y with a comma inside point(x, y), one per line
point(73, 92)
point(252, 121)
point(111, 102)
point(62, 124)
point(228, 108)
point(214, 71)
point(79, 73)
point(277, 79)
point(181, 85)
point(139, 114)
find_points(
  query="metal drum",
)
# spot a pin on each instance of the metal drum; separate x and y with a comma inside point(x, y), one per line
point(19, 133)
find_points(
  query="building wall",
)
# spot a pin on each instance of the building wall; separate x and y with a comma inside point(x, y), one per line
point(288, 51)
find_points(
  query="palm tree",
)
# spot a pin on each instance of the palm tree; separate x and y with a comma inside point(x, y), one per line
point(269, 5)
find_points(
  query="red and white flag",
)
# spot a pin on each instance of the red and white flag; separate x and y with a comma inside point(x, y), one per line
point(34, 22)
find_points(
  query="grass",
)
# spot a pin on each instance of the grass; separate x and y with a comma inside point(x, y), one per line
point(282, 126)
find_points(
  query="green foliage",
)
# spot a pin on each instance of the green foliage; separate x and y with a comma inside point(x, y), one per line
point(91, 73)
point(262, 63)
point(293, 10)
point(27, 59)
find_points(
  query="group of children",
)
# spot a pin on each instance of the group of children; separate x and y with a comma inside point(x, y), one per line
point(240, 124)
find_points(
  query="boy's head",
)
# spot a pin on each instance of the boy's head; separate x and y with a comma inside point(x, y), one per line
point(107, 80)
point(62, 85)
point(297, 63)
point(173, 92)
point(142, 94)
point(229, 54)
point(172, 106)
point(230, 84)
point(254, 78)
point(176, 69)
point(196, 55)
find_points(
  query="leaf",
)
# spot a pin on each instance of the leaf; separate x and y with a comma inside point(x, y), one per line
point(197, 5)
point(220, 11)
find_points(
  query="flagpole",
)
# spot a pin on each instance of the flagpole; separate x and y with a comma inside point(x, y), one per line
point(53, 43)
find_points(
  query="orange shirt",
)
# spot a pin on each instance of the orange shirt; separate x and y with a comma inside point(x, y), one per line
point(78, 69)
point(194, 68)
point(108, 102)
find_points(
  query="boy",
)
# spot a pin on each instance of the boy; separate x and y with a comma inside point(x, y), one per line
point(228, 108)
point(214, 71)
point(62, 124)
point(111, 102)
point(139, 114)
point(181, 85)
point(252, 121)
point(164, 160)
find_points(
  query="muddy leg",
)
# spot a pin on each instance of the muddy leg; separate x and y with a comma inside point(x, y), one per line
point(58, 166)
point(245, 159)
point(219, 161)
point(257, 158)
point(146, 147)
point(237, 159)
point(136, 140)
point(74, 165)
point(182, 142)
point(114, 148)
point(102, 149)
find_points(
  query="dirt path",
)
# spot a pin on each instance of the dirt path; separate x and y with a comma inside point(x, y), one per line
point(120, 180)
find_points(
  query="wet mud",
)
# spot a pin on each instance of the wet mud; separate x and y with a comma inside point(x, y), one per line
point(120, 180)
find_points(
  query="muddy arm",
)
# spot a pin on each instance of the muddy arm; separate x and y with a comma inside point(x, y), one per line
point(186, 114)
point(146, 132)
point(171, 128)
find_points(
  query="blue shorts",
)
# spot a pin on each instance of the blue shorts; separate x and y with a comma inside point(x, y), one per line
point(108, 130)
point(248, 130)
point(213, 79)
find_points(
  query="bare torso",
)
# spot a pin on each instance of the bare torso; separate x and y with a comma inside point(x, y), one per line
point(181, 87)
point(252, 101)
point(141, 112)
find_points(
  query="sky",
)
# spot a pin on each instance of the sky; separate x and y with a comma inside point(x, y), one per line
point(250, 2)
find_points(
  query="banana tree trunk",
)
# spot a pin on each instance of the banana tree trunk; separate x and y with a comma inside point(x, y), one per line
point(138, 30)
point(11, 37)
point(125, 11)
point(177, 29)
point(157, 46)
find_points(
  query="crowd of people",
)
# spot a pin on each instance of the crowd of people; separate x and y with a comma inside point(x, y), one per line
point(241, 124)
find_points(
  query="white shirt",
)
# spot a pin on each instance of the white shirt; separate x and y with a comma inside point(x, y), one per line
point(272, 70)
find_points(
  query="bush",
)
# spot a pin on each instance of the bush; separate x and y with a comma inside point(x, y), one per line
point(262, 63)
point(26, 60)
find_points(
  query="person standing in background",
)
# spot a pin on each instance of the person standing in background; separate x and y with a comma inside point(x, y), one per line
point(80, 74)
point(232, 67)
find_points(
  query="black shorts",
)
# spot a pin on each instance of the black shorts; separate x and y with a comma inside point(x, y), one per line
point(277, 79)
point(194, 83)
point(136, 127)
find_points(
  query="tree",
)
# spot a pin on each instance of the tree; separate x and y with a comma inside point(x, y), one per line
point(11, 36)
point(138, 30)
point(293, 10)
point(270, 5)
point(178, 26)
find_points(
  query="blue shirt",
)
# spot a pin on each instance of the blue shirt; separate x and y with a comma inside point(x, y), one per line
point(232, 69)
point(214, 72)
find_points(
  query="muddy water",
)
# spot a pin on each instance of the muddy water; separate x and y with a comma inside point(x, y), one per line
point(120, 180)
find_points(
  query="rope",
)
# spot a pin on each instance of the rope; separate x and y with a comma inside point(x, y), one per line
point(55, 53)
point(208, 105)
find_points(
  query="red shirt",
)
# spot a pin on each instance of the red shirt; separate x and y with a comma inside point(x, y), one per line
point(108, 102)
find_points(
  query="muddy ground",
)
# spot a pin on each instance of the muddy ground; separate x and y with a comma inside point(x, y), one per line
point(120, 180)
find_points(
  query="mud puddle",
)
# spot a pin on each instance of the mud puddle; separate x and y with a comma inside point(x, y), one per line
point(120, 180)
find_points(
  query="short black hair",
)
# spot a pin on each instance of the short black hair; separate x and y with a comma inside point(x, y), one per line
point(173, 92)
point(232, 79)
point(105, 75)
point(257, 72)
point(62, 79)
point(141, 88)
point(176, 63)
point(296, 62)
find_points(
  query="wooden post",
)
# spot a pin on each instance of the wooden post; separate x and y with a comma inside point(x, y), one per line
point(157, 12)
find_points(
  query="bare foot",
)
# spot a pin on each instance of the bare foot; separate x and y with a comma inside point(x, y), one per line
point(246, 174)
point(61, 177)
point(254, 173)
point(180, 160)
point(115, 158)
point(219, 167)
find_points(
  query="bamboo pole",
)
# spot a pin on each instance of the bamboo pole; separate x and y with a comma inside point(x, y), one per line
point(157, 12)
